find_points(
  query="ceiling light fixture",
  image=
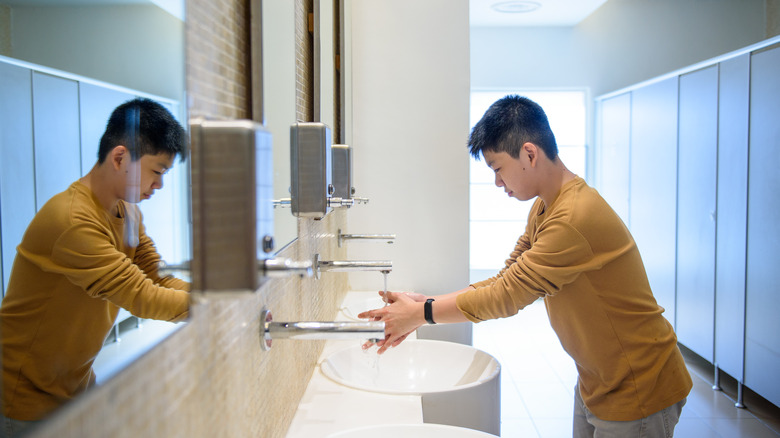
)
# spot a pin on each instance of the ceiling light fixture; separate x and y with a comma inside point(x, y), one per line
point(515, 7)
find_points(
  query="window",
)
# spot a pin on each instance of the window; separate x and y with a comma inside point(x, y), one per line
point(495, 220)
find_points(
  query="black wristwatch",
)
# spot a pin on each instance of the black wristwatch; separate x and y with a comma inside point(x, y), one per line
point(428, 310)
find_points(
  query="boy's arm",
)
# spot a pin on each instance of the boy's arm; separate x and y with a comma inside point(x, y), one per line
point(559, 256)
point(87, 257)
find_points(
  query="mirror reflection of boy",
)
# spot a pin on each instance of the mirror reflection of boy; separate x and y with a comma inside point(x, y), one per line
point(84, 256)
point(581, 259)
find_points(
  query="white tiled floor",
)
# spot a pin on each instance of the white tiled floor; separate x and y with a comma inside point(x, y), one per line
point(538, 378)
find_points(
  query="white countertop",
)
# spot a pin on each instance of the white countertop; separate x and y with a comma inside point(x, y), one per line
point(328, 407)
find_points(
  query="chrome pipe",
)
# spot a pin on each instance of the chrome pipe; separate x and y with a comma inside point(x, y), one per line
point(353, 266)
point(383, 266)
point(388, 237)
point(318, 330)
point(285, 267)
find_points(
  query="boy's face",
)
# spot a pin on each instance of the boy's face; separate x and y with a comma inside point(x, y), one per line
point(513, 174)
point(144, 176)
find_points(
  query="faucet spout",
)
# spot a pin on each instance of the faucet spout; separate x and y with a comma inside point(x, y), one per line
point(286, 267)
point(384, 266)
point(318, 330)
point(351, 265)
point(387, 237)
point(357, 265)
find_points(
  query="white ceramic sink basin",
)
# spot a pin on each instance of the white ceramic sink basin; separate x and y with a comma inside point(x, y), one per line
point(414, 367)
point(459, 384)
point(412, 431)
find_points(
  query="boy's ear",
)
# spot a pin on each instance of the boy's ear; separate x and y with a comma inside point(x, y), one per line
point(532, 151)
point(117, 155)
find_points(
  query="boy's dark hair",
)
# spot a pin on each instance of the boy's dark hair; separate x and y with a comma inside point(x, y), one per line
point(508, 124)
point(144, 127)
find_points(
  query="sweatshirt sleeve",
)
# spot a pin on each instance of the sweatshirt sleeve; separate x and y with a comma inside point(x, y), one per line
point(86, 255)
point(558, 256)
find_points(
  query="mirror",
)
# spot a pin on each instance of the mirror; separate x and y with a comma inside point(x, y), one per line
point(281, 70)
point(279, 94)
point(98, 54)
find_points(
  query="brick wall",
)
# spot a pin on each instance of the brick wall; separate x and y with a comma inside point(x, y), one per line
point(218, 58)
point(210, 378)
point(304, 53)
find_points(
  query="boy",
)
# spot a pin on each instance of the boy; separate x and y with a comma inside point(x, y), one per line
point(84, 255)
point(579, 256)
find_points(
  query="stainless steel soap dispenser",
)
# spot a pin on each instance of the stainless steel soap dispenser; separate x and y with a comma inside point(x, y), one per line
point(343, 188)
point(310, 161)
point(342, 171)
point(232, 209)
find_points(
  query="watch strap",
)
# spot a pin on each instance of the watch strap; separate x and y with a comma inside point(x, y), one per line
point(428, 311)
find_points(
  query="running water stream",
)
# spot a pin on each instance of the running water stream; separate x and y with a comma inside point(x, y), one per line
point(374, 358)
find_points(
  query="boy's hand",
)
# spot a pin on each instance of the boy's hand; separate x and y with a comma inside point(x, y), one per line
point(403, 316)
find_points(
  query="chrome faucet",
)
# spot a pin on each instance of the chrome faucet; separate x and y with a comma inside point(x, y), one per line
point(317, 330)
point(271, 268)
point(384, 266)
point(342, 237)
point(333, 202)
point(285, 267)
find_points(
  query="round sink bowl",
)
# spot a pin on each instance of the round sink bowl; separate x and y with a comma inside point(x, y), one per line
point(413, 368)
point(412, 431)
point(459, 384)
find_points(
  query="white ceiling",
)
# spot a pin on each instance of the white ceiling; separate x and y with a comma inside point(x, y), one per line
point(550, 13)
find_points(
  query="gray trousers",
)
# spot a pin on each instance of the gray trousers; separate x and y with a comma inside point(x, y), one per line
point(10, 428)
point(658, 425)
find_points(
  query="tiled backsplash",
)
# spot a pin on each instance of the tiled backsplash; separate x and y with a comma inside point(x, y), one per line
point(210, 378)
point(304, 71)
point(218, 58)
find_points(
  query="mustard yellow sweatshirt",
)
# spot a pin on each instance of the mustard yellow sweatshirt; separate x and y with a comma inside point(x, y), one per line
point(580, 257)
point(74, 269)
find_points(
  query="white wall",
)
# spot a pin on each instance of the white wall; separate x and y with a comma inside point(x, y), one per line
point(621, 43)
point(410, 119)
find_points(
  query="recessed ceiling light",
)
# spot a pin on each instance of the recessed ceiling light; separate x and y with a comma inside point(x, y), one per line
point(515, 7)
